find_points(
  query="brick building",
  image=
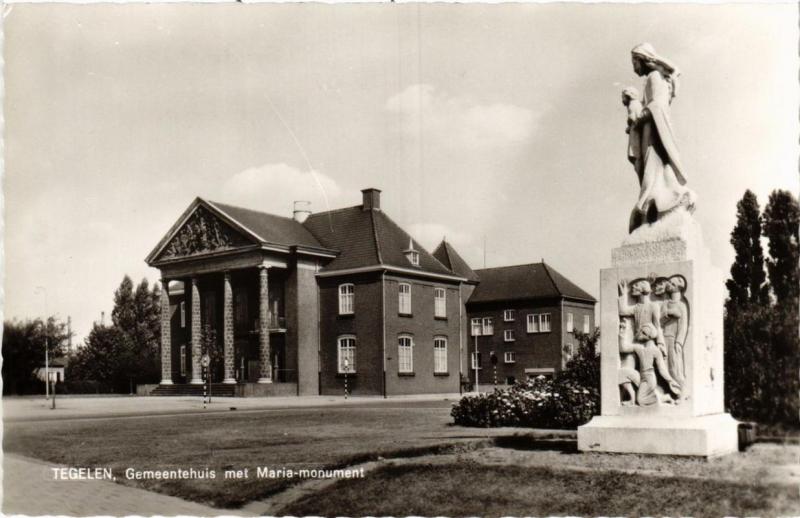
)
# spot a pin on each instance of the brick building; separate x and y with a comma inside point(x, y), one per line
point(526, 316)
point(304, 305)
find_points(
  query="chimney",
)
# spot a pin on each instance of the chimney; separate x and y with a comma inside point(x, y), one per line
point(372, 199)
point(302, 210)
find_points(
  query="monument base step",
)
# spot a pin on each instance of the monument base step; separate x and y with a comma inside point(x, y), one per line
point(703, 436)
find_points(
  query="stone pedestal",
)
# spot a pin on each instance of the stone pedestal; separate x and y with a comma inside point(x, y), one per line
point(692, 422)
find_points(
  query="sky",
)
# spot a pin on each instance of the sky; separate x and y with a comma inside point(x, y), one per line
point(497, 126)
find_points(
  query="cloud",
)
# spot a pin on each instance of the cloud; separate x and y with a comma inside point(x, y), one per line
point(459, 121)
point(273, 187)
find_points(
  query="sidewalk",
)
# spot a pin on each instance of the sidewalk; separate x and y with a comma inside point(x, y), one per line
point(34, 409)
point(29, 488)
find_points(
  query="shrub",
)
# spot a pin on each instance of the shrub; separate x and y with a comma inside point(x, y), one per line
point(567, 401)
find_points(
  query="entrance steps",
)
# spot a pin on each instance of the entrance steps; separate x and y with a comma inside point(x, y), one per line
point(217, 390)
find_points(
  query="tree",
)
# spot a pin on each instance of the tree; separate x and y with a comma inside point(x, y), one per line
point(781, 220)
point(105, 358)
point(747, 273)
point(124, 313)
point(24, 352)
point(126, 352)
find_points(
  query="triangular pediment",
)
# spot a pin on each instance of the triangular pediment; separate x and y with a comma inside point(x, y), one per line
point(203, 232)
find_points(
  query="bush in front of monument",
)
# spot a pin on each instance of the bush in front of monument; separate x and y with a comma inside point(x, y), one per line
point(566, 401)
point(537, 403)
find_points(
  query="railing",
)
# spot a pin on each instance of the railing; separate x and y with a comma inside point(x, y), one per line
point(277, 322)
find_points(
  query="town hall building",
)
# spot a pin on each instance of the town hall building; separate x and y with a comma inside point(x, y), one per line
point(305, 305)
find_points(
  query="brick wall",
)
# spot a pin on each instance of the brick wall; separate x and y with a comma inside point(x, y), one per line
point(365, 324)
point(532, 350)
point(423, 326)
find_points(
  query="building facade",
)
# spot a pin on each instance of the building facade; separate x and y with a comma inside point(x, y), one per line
point(527, 317)
point(344, 298)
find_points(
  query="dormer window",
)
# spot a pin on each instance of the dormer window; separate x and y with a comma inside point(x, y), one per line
point(411, 254)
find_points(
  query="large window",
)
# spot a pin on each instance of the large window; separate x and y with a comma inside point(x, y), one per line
point(508, 315)
point(476, 361)
point(440, 355)
point(476, 327)
point(586, 324)
point(346, 295)
point(538, 322)
point(346, 354)
point(508, 335)
point(570, 323)
point(404, 298)
point(405, 354)
point(488, 328)
point(183, 314)
point(439, 302)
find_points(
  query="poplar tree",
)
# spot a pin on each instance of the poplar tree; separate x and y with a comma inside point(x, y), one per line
point(746, 324)
point(781, 220)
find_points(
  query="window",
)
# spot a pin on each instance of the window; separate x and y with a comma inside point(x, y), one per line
point(476, 327)
point(413, 256)
point(488, 329)
point(570, 323)
point(183, 358)
point(183, 314)
point(508, 315)
point(508, 335)
point(538, 322)
point(404, 299)
point(405, 354)
point(510, 357)
point(439, 303)
point(346, 295)
point(569, 350)
point(240, 310)
point(440, 355)
point(476, 361)
point(544, 322)
point(346, 354)
point(586, 324)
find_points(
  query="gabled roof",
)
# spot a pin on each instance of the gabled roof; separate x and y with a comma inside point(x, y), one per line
point(525, 281)
point(447, 255)
point(270, 228)
point(368, 238)
point(250, 227)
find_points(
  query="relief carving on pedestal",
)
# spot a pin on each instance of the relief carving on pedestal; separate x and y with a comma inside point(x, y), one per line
point(202, 233)
point(652, 334)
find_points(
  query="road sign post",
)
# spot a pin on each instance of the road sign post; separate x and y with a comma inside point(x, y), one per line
point(205, 361)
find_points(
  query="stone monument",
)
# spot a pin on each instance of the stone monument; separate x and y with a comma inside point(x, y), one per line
point(661, 301)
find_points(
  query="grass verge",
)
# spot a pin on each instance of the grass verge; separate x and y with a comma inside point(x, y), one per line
point(472, 489)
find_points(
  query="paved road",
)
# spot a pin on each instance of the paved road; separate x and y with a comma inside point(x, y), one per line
point(36, 408)
point(29, 488)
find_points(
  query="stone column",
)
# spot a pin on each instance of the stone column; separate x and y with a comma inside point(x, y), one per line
point(166, 335)
point(196, 337)
point(227, 332)
point(265, 368)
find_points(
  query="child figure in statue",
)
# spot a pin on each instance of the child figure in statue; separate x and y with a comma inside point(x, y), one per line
point(632, 101)
point(650, 360)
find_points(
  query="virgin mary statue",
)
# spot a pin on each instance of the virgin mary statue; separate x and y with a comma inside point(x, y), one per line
point(663, 179)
